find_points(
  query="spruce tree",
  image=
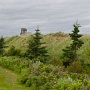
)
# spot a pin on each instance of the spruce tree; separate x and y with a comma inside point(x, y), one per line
point(2, 46)
point(77, 43)
point(36, 48)
point(69, 53)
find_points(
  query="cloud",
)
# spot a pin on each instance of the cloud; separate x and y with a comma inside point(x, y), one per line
point(50, 15)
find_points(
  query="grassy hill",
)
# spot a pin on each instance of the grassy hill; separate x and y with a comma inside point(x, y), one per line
point(55, 42)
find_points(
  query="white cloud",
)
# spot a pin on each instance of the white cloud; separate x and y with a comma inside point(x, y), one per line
point(49, 14)
point(86, 26)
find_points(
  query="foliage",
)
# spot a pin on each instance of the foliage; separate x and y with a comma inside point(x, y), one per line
point(77, 43)
point(69, 54)
point(2, 46)
point(41, 75)
point(47, 77)
point(13, 51)
point(76, 67)
point(73, 82)
point(14, 63)
point(54, 44)
point(51, 75)
point(36, 48)
point(55, 61)
point(85, 60)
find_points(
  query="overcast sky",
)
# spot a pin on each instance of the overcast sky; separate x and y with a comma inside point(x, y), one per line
point(50, 15)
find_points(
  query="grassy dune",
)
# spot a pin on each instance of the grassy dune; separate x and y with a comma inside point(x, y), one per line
point(55, 42)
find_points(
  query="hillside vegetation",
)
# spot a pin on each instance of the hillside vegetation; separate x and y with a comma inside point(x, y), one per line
point(49, 75)
point(55, 42)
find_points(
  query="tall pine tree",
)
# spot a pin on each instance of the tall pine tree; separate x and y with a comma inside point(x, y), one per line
point(36, 49)
point(69, 53)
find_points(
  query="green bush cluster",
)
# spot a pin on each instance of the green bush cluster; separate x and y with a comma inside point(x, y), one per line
point(13, 52)
point(41, 76)
point(73, 82)
point(14, 63)
point(76, 67)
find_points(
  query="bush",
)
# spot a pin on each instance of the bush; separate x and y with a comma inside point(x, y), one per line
point(13, 51)
point(75, 67)
point(67, 83)
point(41, 75)
point(55, 61)
point(14, 63)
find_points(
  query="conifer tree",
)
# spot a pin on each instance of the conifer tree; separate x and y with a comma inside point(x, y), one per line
point(2, 46)
point(69, 53)
point(36, 49)
point(77, 43)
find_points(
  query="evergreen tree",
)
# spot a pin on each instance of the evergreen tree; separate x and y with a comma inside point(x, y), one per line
point(36, 49)
point(2, 45)
point(69, 53)
point(77, 43)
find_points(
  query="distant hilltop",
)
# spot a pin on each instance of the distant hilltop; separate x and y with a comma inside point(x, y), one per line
point(24, 32)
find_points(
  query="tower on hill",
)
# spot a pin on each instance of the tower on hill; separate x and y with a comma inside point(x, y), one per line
point(23, 31)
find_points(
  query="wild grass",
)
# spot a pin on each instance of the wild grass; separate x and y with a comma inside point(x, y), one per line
point(55, 42)
point(8, 81)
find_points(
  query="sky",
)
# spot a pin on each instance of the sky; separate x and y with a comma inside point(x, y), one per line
point(50, 15)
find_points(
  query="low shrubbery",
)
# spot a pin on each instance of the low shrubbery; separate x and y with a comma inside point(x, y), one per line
point(13, 52)
point(76, 67)
point(41, 76)
point(73, 82)
point(14, 63)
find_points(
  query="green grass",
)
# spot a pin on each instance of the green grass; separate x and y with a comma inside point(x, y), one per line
point(8, 81)
point(55, 42)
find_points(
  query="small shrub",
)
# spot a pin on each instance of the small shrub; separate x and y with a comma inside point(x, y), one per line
point(75, 67)
point(24, 79)
point(13, 51)
point(55, 61)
